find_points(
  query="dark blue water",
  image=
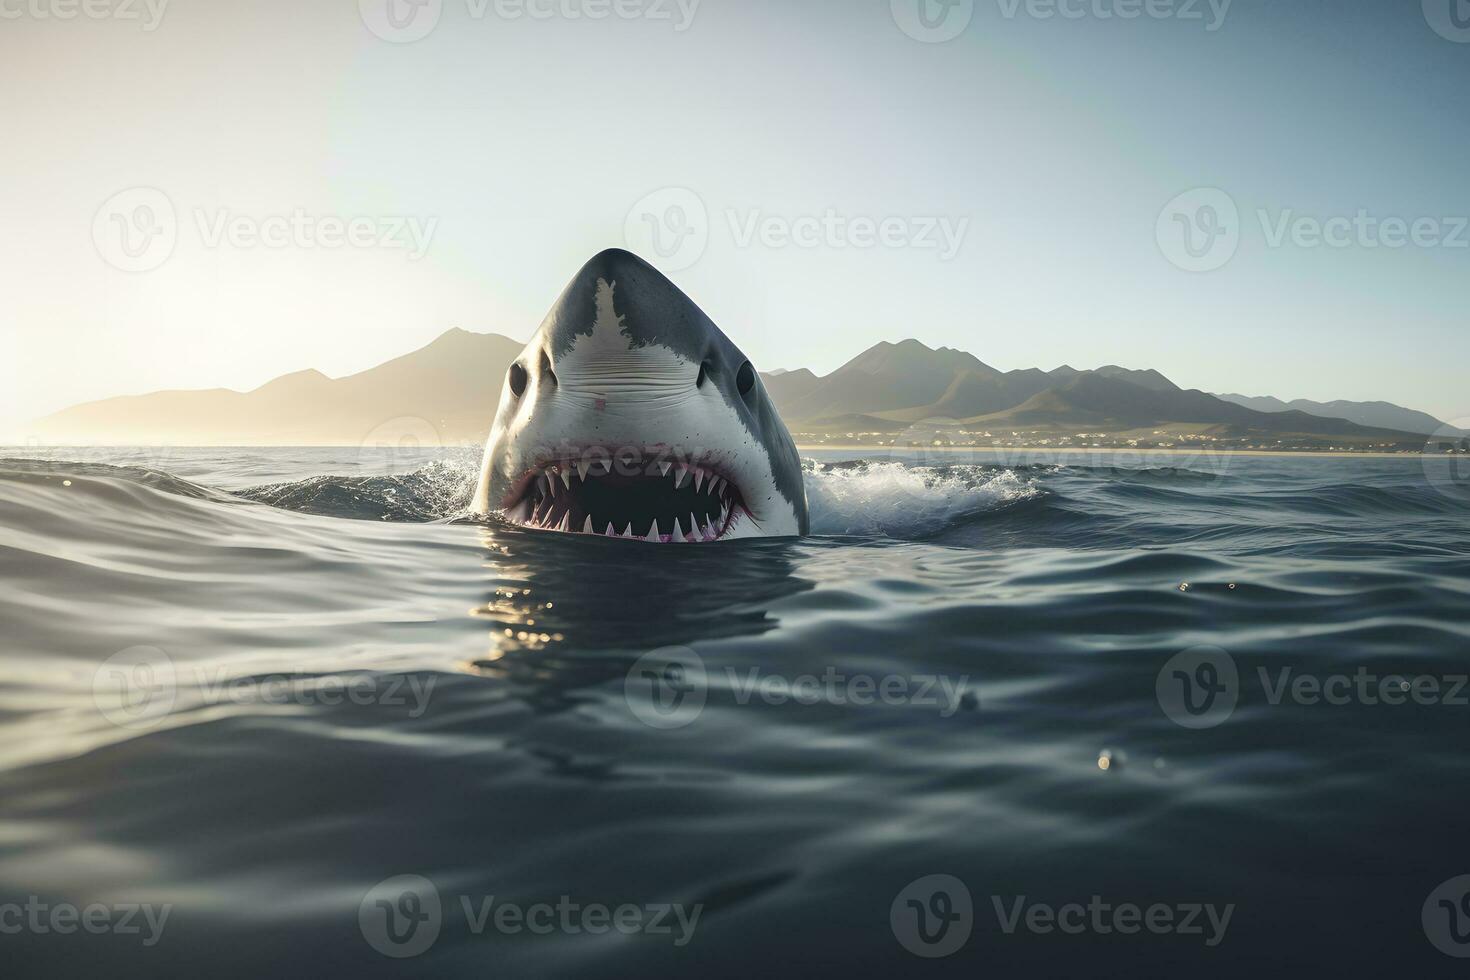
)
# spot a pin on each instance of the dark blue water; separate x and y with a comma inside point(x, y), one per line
point(1141, 716)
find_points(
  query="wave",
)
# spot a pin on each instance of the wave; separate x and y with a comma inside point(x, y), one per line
point(895, 500)
point(997, 504)
point(440, 491)
point(856, 497)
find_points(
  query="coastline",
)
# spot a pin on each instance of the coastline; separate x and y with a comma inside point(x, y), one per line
point(1082, 450)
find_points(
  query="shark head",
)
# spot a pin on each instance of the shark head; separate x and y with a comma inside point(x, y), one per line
point(630, 414)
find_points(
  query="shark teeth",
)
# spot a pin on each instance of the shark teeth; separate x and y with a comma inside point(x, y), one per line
point(634, 501)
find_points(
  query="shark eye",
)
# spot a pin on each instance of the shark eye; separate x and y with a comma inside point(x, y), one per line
point(517, 379)
point(745, 378)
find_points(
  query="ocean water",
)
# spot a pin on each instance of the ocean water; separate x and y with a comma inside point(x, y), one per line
point(295, 713)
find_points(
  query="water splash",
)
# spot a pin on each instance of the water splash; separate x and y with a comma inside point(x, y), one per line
point(900, 501)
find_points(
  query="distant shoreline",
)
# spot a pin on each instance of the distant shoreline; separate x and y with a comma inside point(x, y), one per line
point(1083, 450)
point(13, 449)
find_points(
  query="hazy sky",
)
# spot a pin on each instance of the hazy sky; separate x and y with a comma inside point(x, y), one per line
point(514, 139)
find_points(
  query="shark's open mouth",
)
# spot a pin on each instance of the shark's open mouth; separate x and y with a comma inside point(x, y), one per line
point(650, 499)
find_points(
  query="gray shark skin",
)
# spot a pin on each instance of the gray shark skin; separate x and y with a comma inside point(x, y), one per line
point(630, 414)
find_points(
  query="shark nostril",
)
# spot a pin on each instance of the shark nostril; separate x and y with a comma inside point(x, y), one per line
point(703, 373)
point(547, 374)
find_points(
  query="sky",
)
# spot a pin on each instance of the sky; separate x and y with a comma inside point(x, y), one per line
point(201, 193)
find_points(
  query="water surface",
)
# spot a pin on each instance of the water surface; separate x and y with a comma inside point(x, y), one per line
point(253, 685)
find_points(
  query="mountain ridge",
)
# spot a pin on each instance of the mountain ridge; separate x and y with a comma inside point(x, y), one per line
point(445, 392)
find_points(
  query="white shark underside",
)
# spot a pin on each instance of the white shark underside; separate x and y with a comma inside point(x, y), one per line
point(630, 414)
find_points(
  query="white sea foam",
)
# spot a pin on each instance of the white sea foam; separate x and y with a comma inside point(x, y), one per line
point(890, 498)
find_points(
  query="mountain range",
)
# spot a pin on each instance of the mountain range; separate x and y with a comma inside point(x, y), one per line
point(447, 391)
